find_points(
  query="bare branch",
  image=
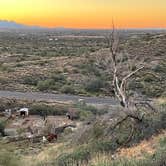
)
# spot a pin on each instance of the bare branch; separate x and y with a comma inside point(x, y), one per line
point(130, 75)
point(146, 104)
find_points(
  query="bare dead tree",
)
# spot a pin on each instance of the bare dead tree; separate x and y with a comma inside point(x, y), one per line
point(122, 67)
point(119, 84)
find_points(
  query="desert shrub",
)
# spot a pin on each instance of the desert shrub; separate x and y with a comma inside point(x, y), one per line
point(87, 68)
point(152, 89)
point(78, 157)
point(149, 78)
point(160, 68)
point(92, 109)
point(83, 115)
point(68, 89)
point(147, 87)
point(55, 82)
point(150, 125)
point(124, 134)
point(86, 112)
point(19, 65)
point(94, 85)
point(97, 131)
point(88, 108)
point(151, 83)
point(30, 80)
point(59, 78)
point(45, 85)
point(45, 110)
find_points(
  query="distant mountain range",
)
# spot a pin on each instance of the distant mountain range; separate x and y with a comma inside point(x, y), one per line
point(4, 24)
point(13, 25)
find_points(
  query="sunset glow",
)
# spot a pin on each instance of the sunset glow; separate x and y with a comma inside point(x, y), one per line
point(86, 13)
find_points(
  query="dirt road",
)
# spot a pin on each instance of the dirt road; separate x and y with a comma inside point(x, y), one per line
point(38, 96)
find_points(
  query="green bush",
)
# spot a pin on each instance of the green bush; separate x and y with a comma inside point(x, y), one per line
point(45, 85)
point(90, 108)
point(59, 78)
point(150, 78)
point(45, 110)
point(19, 65)
point(55, 82)
point(94, 85)
point(97, 131)
point(29, 80)
point(160, 68)
point(87, 68)
point(151, 124)
point(84, 115)
point(68, 89)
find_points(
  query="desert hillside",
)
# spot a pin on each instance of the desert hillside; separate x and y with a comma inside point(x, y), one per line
point(82, 98)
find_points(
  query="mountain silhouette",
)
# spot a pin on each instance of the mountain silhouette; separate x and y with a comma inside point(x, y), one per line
point(4, 24)
point(14, 25)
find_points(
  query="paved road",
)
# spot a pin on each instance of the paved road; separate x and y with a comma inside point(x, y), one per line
point(38, 96)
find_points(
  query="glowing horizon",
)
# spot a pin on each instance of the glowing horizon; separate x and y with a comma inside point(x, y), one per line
point(86, 13)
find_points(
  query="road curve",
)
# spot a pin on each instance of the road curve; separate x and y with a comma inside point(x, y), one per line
point(38, 96)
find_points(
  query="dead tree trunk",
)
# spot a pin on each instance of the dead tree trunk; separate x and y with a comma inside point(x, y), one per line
point(122, 70)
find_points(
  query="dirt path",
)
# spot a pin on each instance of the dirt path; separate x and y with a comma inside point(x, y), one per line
point(38, 96)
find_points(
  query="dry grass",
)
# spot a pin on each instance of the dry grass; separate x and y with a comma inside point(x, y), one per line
point(161, 100)
point(145, 147)
point(49, 152)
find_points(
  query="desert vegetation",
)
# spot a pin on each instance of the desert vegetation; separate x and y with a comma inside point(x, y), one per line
point(31, 61)
point(130, 68)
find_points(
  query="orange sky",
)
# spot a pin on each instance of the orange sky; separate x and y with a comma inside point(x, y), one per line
point(86, 13)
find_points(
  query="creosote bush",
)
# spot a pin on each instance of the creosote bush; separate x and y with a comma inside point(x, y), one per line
point(94, 85)
point(45, 85)
point(30, 80)
point(68, 89)
point(92, 109)
point(45, 110)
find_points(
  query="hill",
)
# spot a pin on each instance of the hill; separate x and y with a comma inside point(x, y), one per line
point(4, 24)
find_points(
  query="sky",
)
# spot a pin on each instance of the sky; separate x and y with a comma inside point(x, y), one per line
point(86, 13)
